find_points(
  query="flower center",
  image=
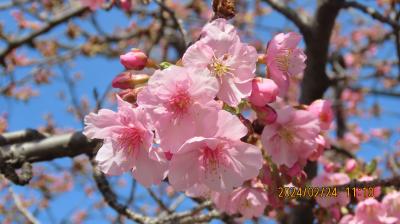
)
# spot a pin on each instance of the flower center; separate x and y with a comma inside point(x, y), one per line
point(324, 117)
point(283, 60)
point(212, 158)
point(286, 134)
point(218, 66)
point(180, 102)
point(131, 138)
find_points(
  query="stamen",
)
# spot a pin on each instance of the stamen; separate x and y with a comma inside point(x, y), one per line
point(283, 60)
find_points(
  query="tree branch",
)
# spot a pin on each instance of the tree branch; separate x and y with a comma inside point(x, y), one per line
point(300, 21)
point(30, 37)
point(390, 182)
point(65, 145)
point(25, 212)
point(372, 12)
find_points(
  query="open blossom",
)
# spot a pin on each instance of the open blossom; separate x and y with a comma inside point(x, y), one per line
point(263, 91)
point(364, 195)
point(369, 211)
point(127, 143)
point(331, 179)
point(175, 98)
point(232, 62)
point(391, 202)
point(92, 4)
point(284, 59)
point(323, 110)
point(292, 137)
point(248, 201)
point(215, 157)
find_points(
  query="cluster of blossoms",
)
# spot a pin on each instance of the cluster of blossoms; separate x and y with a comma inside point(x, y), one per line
point(371, 211)
point(126, 5)
point(193, 124)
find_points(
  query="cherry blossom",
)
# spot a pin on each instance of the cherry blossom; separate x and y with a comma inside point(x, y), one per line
point(215, 157)
point(175, 98)
point(292, 137)
point(391, 202)
point(284, 59)
point(127, 143)
point(332, 179)
point(323, 110)
point(369, 211)
point(232, 62)
point(92, 4)
point(248, 201)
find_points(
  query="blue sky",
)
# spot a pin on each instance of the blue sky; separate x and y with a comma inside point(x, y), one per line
point(98, 73)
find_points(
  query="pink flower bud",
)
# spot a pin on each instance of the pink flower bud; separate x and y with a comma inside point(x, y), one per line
point(266, 114)
point(129, 80)
point(135, 59)
point(129, 95)
point(351, 164)
point(126, 5)
point(266, 176)
point(264, 91)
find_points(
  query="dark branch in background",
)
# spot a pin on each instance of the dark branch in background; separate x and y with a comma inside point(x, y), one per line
point(393, 181)
point(178, 24)
point(111, 199)
point(376, 91)
point(13, 44)
point(373, 13)
point(301, 21)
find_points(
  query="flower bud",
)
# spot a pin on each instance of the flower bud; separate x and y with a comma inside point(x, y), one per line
point(264, 91)
point(129, 80)
point(126, 5)
point(135, 59)
point(351, 165)
point(129, 95)
point(266, 114)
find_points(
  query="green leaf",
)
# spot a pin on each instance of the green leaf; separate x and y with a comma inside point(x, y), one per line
point(164, 65)
point(371, 167)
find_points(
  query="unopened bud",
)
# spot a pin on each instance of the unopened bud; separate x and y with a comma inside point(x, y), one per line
point(263, 91)
point(130, 95)
point(266, 114)
point(135, 59)
point(129, 80)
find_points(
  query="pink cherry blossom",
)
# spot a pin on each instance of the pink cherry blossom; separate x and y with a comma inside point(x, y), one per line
point(365, 193)
point(323, 110)
point(322, 144)
point(391, 202)
point(216, 157)
point(127, 143)
point(92, 4)
point(232, 62)
point(371, 211)
point(175, 98)
point(331, 179)
point(263, 91)
point(248, 201)
point(219, 29)
point(284, 59)
point(292, 137)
